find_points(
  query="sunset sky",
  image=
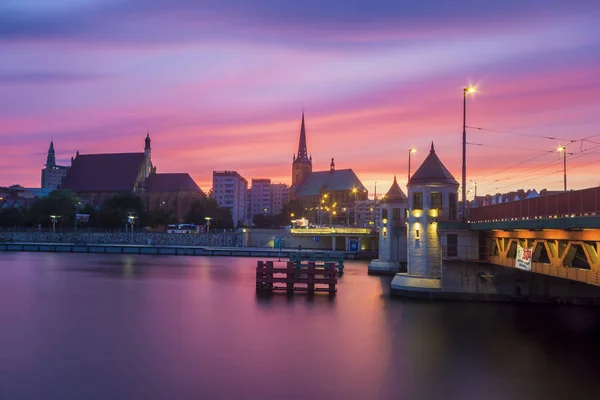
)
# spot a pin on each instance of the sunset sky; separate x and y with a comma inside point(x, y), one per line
point(221, 84)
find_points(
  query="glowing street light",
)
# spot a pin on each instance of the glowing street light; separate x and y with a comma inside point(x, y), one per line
point(410, 151)
point(131, 220)
point(207, 224)
point(563, 149)
point(54, 219)
point(469, 90)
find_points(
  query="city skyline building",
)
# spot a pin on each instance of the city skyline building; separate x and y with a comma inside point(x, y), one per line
point(230, 190)
point(52, 174)
point(260, 199)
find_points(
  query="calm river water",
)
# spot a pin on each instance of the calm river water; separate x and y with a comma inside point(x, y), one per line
point(79, 326)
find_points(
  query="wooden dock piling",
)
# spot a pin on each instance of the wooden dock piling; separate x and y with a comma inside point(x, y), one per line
point(290, 278)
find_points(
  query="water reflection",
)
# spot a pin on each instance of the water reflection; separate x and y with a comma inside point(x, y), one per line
point(115, 326)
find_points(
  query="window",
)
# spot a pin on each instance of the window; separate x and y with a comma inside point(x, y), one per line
point(417, 201)
point(436, 200)
point(452, 206)
point(384, 213)
point(396, 214)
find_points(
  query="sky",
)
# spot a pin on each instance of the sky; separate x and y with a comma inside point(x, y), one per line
point(222, 84)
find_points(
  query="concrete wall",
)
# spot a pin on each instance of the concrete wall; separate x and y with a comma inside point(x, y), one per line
point(266, 238)
point(467, 243)
point(219, 239)
point(486, 281)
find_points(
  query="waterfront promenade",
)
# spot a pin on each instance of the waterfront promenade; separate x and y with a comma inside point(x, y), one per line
point(172, 250)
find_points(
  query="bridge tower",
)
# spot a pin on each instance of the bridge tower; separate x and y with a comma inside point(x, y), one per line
point(392, 232)
point(432, 197)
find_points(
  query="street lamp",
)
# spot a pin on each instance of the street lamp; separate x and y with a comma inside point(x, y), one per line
point(410, 151)
point(563, 149)
point(54, 219)
point(470, 90)
point(131, 220)
point(77, 204)
point(207, 224)
point(355, 191)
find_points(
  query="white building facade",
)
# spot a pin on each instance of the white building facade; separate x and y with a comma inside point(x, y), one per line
point(230, 190)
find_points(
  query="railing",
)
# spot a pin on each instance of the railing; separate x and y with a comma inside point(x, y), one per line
point(567, 204)
point(330, 231)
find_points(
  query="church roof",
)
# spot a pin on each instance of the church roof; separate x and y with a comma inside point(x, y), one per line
point(432, 171)
point(103, 172)
point(171, 183)
point(323, 181)
point(395, 194)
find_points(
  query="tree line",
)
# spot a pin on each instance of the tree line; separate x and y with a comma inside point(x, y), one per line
point(115, 210)
point(113, 214)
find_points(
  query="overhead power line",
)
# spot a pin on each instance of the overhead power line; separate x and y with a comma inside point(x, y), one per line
point(509, 147)
point(520, 134)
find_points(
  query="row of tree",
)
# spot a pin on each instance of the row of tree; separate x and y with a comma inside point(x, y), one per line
point(113, 214)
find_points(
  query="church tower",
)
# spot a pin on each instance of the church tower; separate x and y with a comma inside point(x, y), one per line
point(148, 156)
point(51, 159)
point(302, 163)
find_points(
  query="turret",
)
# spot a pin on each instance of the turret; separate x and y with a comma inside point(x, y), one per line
point(392, 232)
point(432, 196)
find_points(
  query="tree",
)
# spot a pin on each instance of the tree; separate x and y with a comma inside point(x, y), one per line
point(11, 217)
point(116, 209)
point(263, 221)
point(58, 202)
point(158, 217)
point(207, 207)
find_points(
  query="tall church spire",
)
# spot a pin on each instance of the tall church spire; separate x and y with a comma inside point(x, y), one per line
point(51, 159)
point(302, 152)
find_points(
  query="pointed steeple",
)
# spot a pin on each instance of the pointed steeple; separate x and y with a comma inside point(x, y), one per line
point(51, 159)
point(147, 140)
point(395, 194)
point(302, 151)
point(431, 171)
point(332, 165)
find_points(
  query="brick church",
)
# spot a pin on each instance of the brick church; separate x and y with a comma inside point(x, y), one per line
point(340, 186)
point(95, 177)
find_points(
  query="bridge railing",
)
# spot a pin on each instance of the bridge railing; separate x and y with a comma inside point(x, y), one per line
point(567, 204)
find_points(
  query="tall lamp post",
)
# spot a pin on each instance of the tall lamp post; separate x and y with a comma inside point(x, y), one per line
point(563, 149)
point(77, 204)
point(208, 224)
point(410, 151)
point(470, 89)
point(131, 220)
point(54, 219)
point(355, 191)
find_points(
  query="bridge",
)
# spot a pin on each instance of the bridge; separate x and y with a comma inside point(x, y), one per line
point(563, 229)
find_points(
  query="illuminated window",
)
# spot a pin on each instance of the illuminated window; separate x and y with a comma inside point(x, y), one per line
point(417, 234)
